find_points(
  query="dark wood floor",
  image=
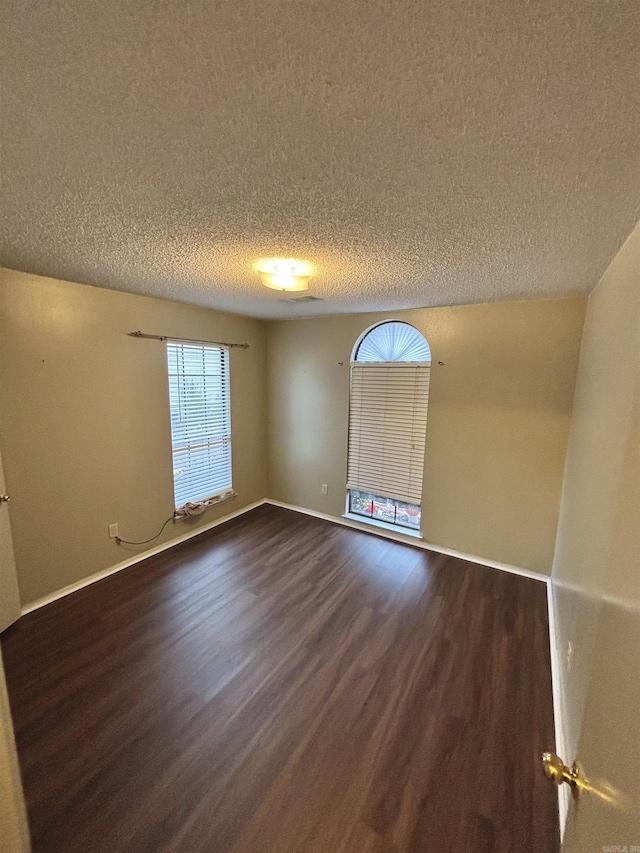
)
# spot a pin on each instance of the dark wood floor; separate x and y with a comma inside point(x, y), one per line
point(286, 684)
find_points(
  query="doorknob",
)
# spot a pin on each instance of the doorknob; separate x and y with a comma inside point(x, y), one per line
point(556, 770)
point(4, 499)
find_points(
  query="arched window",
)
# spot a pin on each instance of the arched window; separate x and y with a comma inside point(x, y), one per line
point(390, 370)
point(392, 341)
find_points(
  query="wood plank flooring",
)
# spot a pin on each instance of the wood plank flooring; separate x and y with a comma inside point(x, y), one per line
point(286, 684)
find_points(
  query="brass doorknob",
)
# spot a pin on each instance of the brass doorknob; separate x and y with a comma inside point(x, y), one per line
point(4, 499)
point(556, 770)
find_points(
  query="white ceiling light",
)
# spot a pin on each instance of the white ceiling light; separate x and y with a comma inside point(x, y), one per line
point(284, 273)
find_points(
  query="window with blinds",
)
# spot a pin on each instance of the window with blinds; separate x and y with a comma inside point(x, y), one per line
point(387, 424)
point(200, 406)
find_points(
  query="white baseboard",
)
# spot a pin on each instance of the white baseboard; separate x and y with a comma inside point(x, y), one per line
point(137, 558)
point(413, 541)
point(345, 522)
point(558, 706)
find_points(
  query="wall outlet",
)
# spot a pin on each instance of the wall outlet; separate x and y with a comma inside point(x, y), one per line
point(113, 531)
point(325, 489)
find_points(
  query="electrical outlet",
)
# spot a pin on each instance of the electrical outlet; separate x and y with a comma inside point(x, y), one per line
point(325, 489)
point(113, 531)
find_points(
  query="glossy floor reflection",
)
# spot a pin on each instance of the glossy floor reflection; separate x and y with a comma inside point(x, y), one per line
point(286, 684)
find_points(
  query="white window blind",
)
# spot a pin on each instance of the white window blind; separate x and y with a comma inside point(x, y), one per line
point(200, 420)
point(387, 426)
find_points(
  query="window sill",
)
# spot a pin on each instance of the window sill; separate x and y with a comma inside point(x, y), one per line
point(383, 525)
point(194, 508)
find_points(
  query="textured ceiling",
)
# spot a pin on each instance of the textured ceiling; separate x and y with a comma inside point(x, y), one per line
point(418, 153)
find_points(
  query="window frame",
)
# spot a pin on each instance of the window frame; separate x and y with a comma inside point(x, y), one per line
point(394, 502)
point(394, 526)
point(217, 421)
point(370, 329)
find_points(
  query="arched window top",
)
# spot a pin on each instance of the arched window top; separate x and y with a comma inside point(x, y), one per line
point(391, 340)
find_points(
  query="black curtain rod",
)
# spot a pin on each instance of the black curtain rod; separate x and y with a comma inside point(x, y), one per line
point(186, 340)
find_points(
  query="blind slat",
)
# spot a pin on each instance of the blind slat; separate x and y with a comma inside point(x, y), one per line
point(387, 425)
point(199, 401)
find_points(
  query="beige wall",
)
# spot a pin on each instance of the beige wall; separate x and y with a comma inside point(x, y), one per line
point(596, 568)
point(84, 422)
point(497, 428)
point(84, 425)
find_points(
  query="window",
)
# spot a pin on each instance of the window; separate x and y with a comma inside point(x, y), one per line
point(385, 509)
point(387, 424)
point(392, 341)
point(200, 421)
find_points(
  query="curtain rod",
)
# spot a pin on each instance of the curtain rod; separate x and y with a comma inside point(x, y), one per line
point(186, 340)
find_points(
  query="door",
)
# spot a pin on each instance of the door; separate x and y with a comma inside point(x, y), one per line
point(9, 595)
point(608, 752)
point(602, 619)
point(14, 832)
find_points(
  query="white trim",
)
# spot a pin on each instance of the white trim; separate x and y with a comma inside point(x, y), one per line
point(384, 525)
point(558, 706)
point(416, 543)
point(137, 558)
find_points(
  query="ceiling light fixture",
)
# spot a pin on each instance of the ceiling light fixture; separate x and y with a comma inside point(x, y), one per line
point(284, 273)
